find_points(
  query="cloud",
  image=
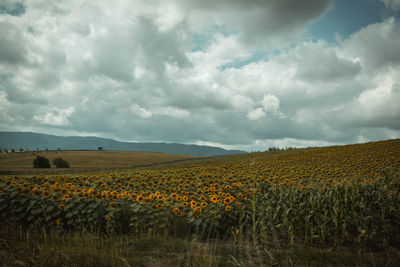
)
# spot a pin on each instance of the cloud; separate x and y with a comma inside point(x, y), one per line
point(258, 22)
point(376, 107)
point(56, 117)
point(191, 72)
point(12, 7)
point(172, 112)
point(12, 49)
point(141, 112)
point(376, 46)
point(270, 103)
point(4, 108)
point(256, 114)
point(321, 62)
point(393, 4)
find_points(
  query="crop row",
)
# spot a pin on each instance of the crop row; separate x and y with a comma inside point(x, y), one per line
point(338, 195)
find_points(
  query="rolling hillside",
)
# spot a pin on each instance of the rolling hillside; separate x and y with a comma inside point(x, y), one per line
point(34, 141)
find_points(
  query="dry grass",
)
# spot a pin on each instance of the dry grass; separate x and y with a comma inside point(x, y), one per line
point(22, 247)
point(81, 160)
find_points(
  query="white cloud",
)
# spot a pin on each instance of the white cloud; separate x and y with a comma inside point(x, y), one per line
point(270, 103)
point(376, 46)
point(4, 108)
point(222, 50)
point(256, 114)
point(170, 16)
point(377, 106)
point(56, 117)
point(141, 112)
point(172, 112)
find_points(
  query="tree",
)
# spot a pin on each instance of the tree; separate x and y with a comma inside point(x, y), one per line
point(41, 162)
point(61, 163)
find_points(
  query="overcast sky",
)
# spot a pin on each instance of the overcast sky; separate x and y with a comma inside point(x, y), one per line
point(240, 74)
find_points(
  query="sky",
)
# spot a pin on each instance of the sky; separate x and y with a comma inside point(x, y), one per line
point(238, 74)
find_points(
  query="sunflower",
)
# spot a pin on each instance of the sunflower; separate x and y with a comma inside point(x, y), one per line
point(176, 210)
point(61, 206)
point(228, 208)
point(228, 200)
point(214, 199)
point(203, 205)
point(197, 211)
point(107, 218)
point(139, 198)
point(193, 204)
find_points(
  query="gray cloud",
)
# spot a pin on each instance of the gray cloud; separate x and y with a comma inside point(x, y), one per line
point(12, 44)
point(320, 63)
point(258, 22)
point(393, 4)
point(12, 7)
point(133, 70)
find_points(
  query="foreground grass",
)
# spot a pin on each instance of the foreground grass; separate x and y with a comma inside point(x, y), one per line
point(21, 247)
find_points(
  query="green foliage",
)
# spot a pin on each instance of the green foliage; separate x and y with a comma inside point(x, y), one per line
point(41, 162)
point(363, 215)
point(61, 163)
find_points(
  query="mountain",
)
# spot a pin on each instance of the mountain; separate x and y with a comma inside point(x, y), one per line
point(33, 141)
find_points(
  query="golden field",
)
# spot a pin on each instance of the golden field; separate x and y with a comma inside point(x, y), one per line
point(334, 196)
point(86, 159)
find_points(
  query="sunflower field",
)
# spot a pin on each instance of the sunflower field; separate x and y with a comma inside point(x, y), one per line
point(333, 196)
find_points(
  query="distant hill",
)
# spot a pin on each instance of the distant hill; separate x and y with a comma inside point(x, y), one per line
point(33, 141)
